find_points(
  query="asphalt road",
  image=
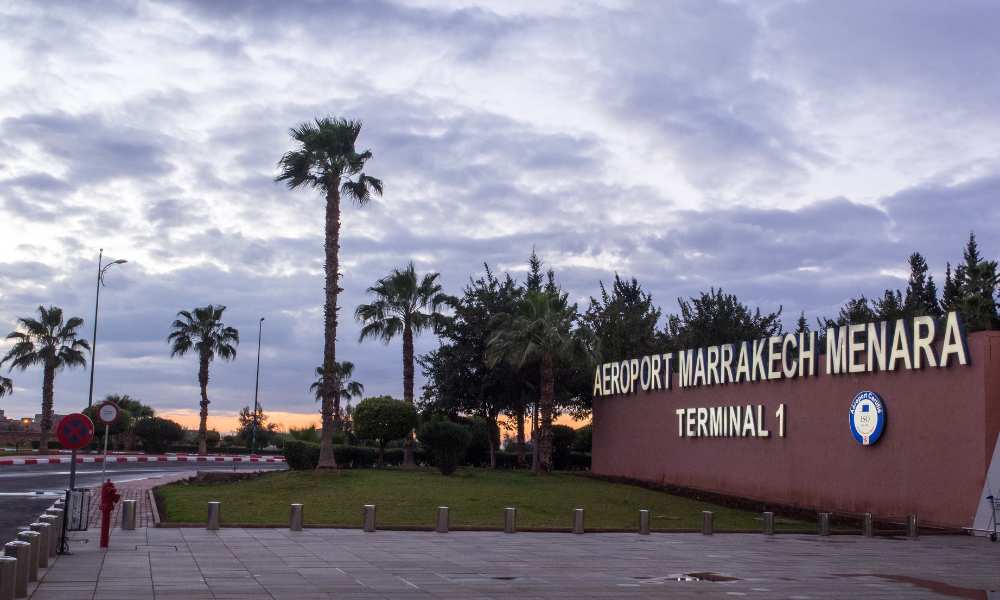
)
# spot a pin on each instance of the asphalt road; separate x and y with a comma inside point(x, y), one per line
point(26, 491)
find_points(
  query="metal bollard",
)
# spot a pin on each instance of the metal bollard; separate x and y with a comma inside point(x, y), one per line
point(912, 527)
point(707, 522)
point(824, 523)
point(295, 517)
point(33, 538)
point(868, 526)
point(44, 533)
point(369, 517)
point(8, 577)
point(578, 520)
point(768, 523)
point(643, 522)
point(214, 516)
point(22, 552)
point(509, 519)
point(443, 520)
point(54, 532)
point(128, 515)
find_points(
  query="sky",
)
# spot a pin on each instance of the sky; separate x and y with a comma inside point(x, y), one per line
point(791, 152)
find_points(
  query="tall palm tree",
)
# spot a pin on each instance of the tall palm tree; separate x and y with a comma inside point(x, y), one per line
point(347, 389)
point(51, 343)
point(6, 386)
point(404, 305)
point(325, 158)
point(202, 330)
point(541, 331)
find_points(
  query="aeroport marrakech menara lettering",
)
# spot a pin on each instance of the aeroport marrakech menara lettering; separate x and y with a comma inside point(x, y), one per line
point(903, 344)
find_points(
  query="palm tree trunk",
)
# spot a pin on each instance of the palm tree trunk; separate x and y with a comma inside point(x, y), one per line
point(331, 399)
point(534, 437)
point(546, 408)
point(408, 388)
point(203, 423)
point(48, 389)
point(520, 434)
point(492, 420)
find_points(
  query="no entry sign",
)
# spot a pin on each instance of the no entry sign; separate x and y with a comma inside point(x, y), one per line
point(75, 431)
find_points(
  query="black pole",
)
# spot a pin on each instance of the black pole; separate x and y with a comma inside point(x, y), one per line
point(93, 343)
point(256, 386)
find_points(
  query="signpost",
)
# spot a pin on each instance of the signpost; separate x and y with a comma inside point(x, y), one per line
point(74, 432)
point(107, 414)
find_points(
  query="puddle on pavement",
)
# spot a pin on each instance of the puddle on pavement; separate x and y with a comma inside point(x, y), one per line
point(938, 587)
point(687, 577)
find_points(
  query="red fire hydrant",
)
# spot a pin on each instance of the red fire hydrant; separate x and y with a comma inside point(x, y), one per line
point(109, 497)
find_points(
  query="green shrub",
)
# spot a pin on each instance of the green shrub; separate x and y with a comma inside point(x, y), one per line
point(302, 456)
point(477, 453)
point(383, 419)
point(446, 442)
point(583, 442)
point(157, 434)
point(579, 461)
point(562, 444)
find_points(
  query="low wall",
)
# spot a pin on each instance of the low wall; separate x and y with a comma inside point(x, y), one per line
point(932, 459)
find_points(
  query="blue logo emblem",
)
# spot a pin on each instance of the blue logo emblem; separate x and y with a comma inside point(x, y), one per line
point(867, 418)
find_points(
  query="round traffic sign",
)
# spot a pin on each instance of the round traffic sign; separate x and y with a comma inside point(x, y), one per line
point(107, 413)
point(75, 431)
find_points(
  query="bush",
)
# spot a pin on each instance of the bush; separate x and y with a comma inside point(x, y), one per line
point(302, 456)
point(562, 444)
point(383, 419)
point(157, 434)
point(446, 442)
point(507, 460)
point(584, 439)
point(477, 453)
point(579, 461)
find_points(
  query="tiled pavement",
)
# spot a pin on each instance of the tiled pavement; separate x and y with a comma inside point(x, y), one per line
point(137, 490)
point(195, 564)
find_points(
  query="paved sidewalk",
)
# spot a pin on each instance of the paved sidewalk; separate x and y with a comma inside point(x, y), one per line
point(133, 490)
point(276, 564)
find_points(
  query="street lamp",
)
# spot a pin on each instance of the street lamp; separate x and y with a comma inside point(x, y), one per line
point(101, 270)
point(256, 387)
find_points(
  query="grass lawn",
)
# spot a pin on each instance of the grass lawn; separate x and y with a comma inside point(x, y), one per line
point(476, 497)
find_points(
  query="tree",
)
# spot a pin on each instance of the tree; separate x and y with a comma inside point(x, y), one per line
point(325, 158)
point(157, 434)
point(976, 280)
point(404, 305)
point(384, 419)
point(446, 441)
point(51, 343)
point(346, 389)
point(249, 419)
point(129, 412)
point(802, 325)
point(890, 307)
point(715, 318)
point(459, 381)
point(623, 323)
point(202, 330)
point(541, 330)
point(6, 386)
point(921, 293)
point(305, 434)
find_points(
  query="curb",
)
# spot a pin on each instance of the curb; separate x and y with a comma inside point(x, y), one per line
point(184, 458)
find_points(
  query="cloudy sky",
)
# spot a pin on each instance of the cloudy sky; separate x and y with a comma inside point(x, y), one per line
point(791, 152)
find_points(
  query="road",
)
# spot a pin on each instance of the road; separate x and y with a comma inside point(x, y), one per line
point(26, 491)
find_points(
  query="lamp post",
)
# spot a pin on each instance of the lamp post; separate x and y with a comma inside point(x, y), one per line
point(101, 270)
point(256, 387)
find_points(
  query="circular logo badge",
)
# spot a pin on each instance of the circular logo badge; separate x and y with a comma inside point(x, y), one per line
point(867, 418)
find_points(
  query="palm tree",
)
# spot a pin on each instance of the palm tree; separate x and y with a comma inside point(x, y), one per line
point(204, 332)
point(51, 343)
point(348, 389)
point(6, 386)
point(541, 331)
point(325, 158)
point(403, 306)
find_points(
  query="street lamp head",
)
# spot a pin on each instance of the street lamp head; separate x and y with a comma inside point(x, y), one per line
point(262, 319)
point(120, 261)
